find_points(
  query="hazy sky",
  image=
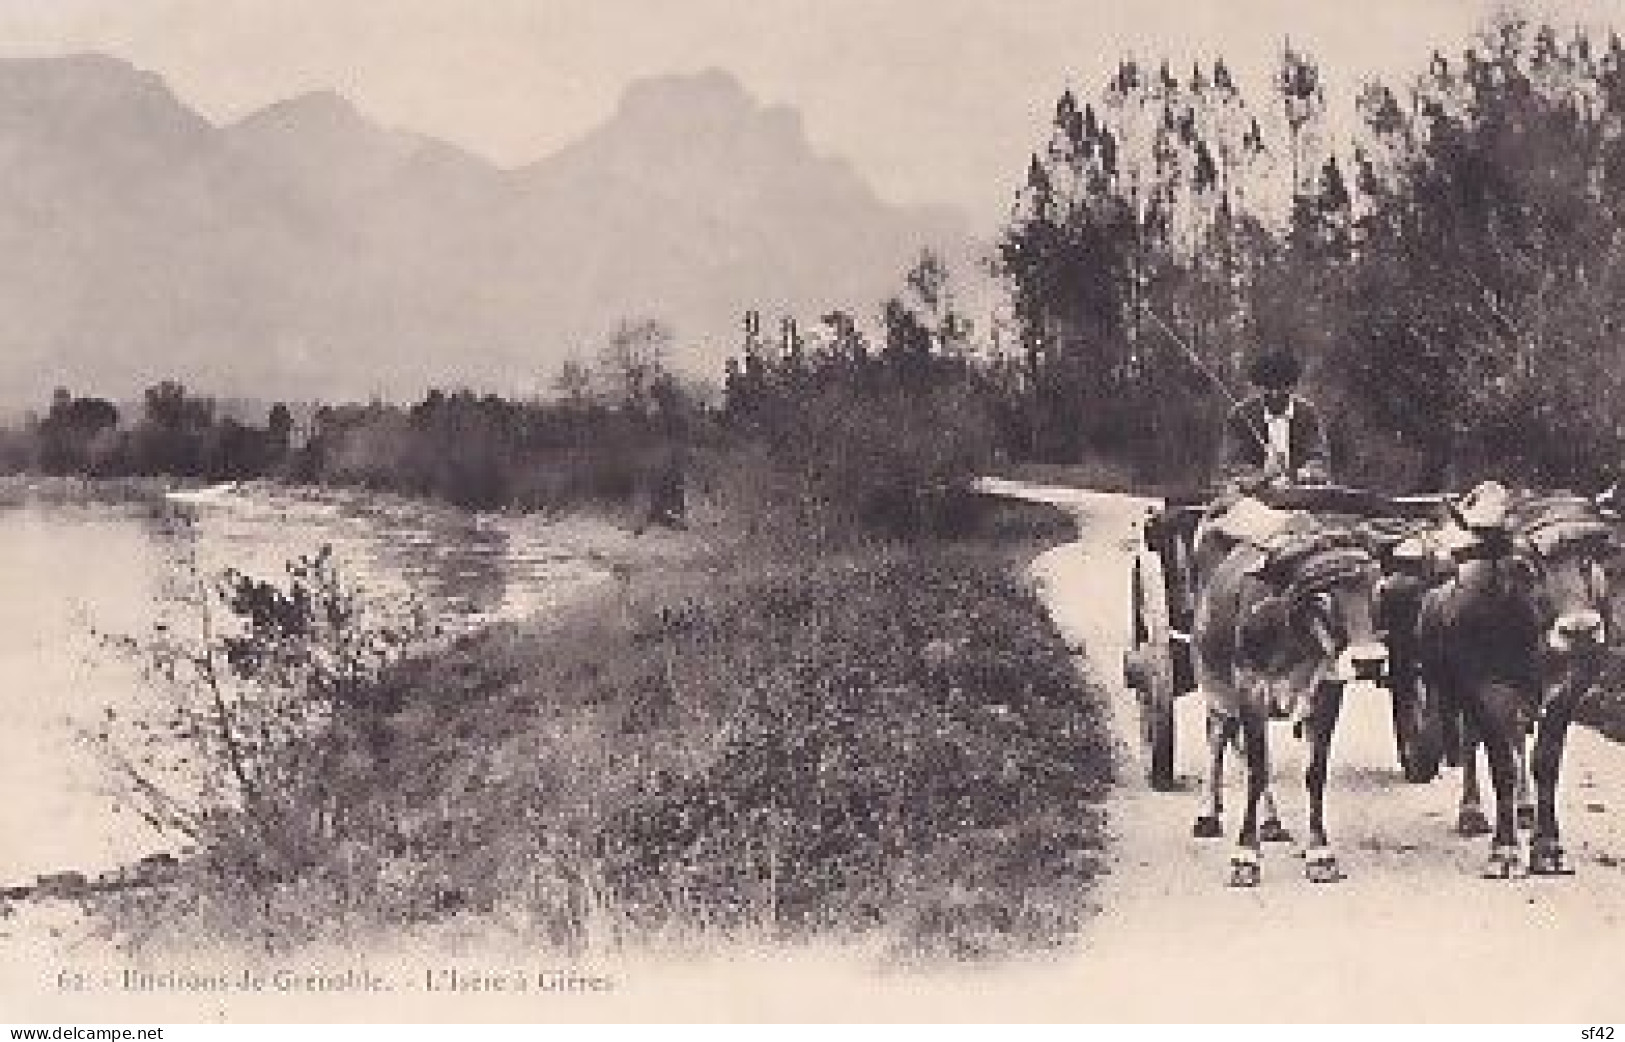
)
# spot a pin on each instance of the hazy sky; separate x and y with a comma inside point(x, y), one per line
point(933, 100)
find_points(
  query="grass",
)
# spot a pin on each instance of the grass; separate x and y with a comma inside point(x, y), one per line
point(884, 744)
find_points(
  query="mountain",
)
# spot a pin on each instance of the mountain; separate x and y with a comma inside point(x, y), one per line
point(307, 252)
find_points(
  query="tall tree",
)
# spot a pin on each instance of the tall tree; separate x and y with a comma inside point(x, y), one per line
point(636, 356)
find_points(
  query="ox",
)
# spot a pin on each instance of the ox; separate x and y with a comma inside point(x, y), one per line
point(1280, 631)
point(1510, 645)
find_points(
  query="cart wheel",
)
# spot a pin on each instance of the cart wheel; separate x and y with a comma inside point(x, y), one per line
point(1154, 668)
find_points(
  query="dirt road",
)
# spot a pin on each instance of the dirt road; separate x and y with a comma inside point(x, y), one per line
point(1413, 934)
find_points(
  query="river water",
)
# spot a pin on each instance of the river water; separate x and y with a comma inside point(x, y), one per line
point(74, 573)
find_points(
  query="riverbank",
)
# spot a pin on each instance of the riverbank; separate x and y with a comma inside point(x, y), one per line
point(889, 747)
point(18, 489)
point(95, 567)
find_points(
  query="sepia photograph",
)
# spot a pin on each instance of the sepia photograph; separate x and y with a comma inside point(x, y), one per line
point(812, 512)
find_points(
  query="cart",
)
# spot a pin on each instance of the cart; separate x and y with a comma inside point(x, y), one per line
point(1158, 664)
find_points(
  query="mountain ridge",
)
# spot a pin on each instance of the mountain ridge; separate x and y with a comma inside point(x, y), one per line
point(308, 249)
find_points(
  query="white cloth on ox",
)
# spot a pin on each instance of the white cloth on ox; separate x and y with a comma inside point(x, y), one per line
point(1488, 505)
point(1451, 539)
point(1548, 524)
point(1423, 550)
point(1250, 521)
point(1549, 537)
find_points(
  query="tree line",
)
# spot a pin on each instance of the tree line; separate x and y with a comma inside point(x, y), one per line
point(1452, 279)
point(616, 424)
point(173, 432)
point(815, 426)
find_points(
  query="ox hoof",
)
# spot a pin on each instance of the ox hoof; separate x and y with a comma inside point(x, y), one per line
point(1526, 818)
point(1207, 826)
point(1320, 866)
point(1472, 822)
point(1244, 873)
point(1272, 831)
point(1504, 863)
point(1548, 859)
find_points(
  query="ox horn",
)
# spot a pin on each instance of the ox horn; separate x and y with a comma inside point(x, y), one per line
point(1452, 508)
point(1610, 502)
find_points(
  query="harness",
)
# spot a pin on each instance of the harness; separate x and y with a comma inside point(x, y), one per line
point(1548, 529)
point(1304, 563)
point(1303, 566)
point(1523, 554)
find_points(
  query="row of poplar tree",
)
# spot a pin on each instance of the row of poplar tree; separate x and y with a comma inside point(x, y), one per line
point(1451, 271)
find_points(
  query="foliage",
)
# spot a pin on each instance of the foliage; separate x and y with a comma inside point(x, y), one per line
point(892, 745)
point(264, 689)
point(1129, 247)
point(1453, 283)
point(1484, 313)
point(603, 445)
point(489, 451)
point(862, 441)
point(76, 434)
point(901, 728)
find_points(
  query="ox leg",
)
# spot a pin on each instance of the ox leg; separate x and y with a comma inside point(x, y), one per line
point(1452, 733)
point(1504, 861)
point(1546, 856)
point(1525, 796)
point(1270, 829)
point(1244, 868)
point(1221, 731)
point(1470, 819)
point(1320, 864)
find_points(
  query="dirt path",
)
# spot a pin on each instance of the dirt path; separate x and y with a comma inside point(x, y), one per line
point(1413, 934)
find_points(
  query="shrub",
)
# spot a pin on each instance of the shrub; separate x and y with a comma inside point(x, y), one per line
point(268, 691)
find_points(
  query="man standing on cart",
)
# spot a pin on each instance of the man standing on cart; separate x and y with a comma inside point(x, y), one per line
point(1275, 438)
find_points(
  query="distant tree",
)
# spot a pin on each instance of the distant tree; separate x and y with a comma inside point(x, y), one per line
point(74, 436)
point(846, 343)
point(637, 354)
point(236, 451)
point(908, 340)
point(929, 283)
point(573, 382)
point(1303, 100)
point(279, 423)
point(173, 430)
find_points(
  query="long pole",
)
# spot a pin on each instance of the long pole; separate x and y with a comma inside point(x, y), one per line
point(1203, 368)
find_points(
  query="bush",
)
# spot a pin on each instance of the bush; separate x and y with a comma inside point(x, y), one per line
point(852, 459)
point(268, 691)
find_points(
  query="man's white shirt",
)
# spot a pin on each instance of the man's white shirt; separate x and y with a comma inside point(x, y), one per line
point(1279, 450)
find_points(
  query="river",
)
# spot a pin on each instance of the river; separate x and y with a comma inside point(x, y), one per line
point(72, 572)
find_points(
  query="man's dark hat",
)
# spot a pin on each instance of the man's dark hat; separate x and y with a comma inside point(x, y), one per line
point(1275, 370)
